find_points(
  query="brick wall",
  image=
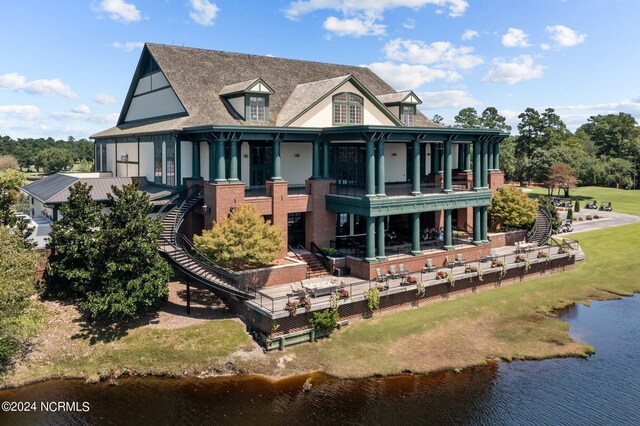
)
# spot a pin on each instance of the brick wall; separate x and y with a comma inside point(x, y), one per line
point(510, 238)
point(496, 181)
point(320, 224)
point(275, 275)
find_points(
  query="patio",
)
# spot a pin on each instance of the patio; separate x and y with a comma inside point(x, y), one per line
point(271, 301)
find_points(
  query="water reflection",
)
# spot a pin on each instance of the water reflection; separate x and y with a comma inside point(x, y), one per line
point(601, 390)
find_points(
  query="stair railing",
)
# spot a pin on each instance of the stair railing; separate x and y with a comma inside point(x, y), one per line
point(295, 253)
point(222, 273)
point(177, 221)
point(324, 259)
point(168, 202)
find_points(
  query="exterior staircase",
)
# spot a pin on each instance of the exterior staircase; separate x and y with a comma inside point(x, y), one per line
point(542, 228)
point(183, 256)
point(315, 268)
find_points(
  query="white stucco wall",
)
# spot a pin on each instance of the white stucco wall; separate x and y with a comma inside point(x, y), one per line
point(395, 166)
point(238, 105)
point(296, 170)
point(111, 157)
point(321, 115)
point(128, 148)
point(154, 104)
point(146, 160)
point(244, 163)
point(186, 161)
point(427, 160)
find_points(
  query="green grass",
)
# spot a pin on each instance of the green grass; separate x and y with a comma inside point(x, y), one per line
point(514, 322)
point(623, 201)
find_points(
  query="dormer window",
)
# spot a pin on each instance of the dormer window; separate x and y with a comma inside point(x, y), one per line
point(408, 115)
point(347, 108)
point(248, 100)
point(257, 108)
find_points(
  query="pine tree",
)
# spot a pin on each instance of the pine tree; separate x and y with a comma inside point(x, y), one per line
point(74, 245)
point(242, 240)
point(131, 275)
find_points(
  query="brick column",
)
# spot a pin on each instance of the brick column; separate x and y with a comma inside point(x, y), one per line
point(320, 223)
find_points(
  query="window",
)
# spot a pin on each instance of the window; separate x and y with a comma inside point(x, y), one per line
point(347, 108)
point(103, 157)
point(157, 162)
point(171, 164)
point(408, 115)
point(257, 108)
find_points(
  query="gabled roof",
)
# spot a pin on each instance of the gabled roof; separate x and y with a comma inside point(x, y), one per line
point(395, 98)
point(54, 189)
point(198, 77)
point(244, 86)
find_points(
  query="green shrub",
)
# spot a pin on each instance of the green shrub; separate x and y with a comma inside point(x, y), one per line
point(577, 207)
point(329, 251)
point(595, 216)
point(324, 320)
point(589, 217)
point(570, 214)
point(373, 298)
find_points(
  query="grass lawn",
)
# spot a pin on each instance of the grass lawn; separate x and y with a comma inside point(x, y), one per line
point(623, 201)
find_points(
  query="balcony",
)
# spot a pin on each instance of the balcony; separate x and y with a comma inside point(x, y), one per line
point(400, 189)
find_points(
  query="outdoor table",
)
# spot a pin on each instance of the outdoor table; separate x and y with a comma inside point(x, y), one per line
point(320, 288)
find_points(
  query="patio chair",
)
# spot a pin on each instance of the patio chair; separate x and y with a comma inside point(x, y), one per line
point(298, 292)
point(428, 266)
point(392, 272)
point(493, 255)
point(459, 259)
point(447, 262)
point(403, 272)
point(379, 277)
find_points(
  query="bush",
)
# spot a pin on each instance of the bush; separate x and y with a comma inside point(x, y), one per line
point(577, 206)
point(325, 320)
point(589, 217)
point(595, 216)
point(510, 207)
point(580, 218)
point(329, 251)
point(8, 162)
point(570, 214)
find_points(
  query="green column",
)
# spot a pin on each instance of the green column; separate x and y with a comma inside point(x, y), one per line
point(370, 190)
point(276, 176)
point(447, 167)
point(477, 226)
point(370, 253)
point(448, 231)
point(484, 228)
point(496, 156)
point(476, 165)
point(315, 170)
point(380, 238)
point(233, 160)
point(415, 234)
point(195, 159)
point(325, 159)
point(178, 146)
point(490, 155)
point(212, 161)
point(432, 146)
point(380, 168)
point(221, 162)
point(467, 157)
point(460, 156)
point(415, 179)
point(484, 173)
point(437, 154)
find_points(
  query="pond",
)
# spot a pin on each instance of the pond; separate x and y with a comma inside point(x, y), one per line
point(604, 389)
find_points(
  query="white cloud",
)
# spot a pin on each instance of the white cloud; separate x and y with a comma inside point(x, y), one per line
point(82, 112)
point(515, 38)
point(513, 71)
point(565, 36)
point(128, 46)
point(405, 76)
point(203, 12)
point(447, 99)
point(119, 10)
point(82, 109)
point(104, 99)
point(409, 24)
point(23, 112)
point(15, 82)
point(356, 27)
point(348, 7)
point(545, 46)
point(440, 54)
point(469, 34)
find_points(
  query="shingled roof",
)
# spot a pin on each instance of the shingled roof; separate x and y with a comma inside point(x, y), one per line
point(198, 76)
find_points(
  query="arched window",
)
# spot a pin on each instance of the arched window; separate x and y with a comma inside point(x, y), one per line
point(347, 108)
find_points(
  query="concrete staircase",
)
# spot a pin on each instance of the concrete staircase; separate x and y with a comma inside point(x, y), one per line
point(315, 268)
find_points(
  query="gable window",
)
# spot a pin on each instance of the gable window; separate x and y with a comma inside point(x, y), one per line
point(257, 108)
point(347, 108)
point(408, 115)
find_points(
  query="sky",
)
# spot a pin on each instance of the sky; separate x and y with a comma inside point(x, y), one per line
point(66, 65)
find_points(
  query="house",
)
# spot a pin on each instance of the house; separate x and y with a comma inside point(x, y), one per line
point(330, 153)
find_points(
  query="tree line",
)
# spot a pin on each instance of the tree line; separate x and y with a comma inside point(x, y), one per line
point(49, 155)
point(602, 152)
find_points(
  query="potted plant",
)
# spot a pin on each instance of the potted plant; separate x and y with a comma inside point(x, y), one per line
point(304, 302)
point(291, 307)
point(497, 264)
point(344, 294)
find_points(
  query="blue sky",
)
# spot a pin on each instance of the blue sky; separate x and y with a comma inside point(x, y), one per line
point(67, 64)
